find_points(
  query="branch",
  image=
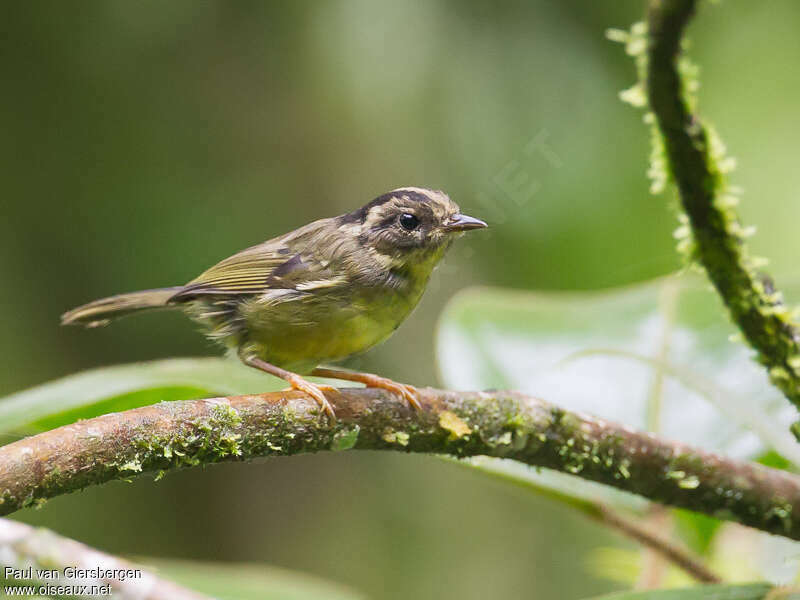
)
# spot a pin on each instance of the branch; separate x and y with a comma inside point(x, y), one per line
point(754, 304)
point(661, 546)
point(502, 424)
point(23, 547)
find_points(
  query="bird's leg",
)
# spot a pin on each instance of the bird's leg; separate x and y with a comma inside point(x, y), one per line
point(295, 381)
point(409, 392)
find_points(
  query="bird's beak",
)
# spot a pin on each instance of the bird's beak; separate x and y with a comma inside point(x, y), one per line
point(459, 222)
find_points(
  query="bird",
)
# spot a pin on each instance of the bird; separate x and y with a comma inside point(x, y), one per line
point(317, 295)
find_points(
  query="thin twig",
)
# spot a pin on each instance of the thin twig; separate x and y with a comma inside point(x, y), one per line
point(25, 551)
point(660, 545)
point(628, 527)
point(503, 424)
point(754, 304)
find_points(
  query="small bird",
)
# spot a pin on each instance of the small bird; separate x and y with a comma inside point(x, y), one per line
point(322, 293)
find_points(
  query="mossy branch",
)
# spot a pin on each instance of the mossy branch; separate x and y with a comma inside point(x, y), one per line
point(755, 306)
point(23, 547)
point(170, 435)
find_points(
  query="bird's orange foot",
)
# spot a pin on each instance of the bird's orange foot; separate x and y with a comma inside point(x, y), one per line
point(315, 391)
point(408, 392)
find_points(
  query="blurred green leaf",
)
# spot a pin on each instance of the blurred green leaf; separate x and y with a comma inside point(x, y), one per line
point(602, 352)
point(629, 565)
point(249, 581)
point(654, 356)
point(770, 458)
point(754, 591)
point(696, 529)
point(581, 494)
point(613, 563)
point(108, 389)
point(115, 404)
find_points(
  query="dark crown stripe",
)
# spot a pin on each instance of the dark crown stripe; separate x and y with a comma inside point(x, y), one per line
point(360, 215)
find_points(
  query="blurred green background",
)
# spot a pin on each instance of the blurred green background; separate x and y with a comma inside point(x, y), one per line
point(143, 141)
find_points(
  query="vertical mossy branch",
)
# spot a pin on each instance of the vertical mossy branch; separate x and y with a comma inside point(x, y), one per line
point(690, 153)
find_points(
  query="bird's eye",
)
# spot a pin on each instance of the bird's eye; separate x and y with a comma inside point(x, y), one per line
point(408, 221)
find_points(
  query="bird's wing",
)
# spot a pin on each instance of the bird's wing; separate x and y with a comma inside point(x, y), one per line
point(288, 262)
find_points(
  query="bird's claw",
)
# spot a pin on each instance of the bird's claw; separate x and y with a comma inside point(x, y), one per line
point(409, 393)
point(315, 391)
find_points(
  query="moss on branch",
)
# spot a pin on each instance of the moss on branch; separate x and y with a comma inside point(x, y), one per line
point(693, 160)
point(171, 435)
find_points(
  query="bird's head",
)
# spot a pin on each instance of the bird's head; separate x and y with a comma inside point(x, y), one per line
point(409, 226)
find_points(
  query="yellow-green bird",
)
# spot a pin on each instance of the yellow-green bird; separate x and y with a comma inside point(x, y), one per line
point(329, 290)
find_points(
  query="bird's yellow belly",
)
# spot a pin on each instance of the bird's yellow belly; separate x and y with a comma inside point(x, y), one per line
point(301, 334)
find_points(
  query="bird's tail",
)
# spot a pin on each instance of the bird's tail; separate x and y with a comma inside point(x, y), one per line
point(101, 312)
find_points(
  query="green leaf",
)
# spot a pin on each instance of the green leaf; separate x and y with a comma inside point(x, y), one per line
point(581, 494)
point(772, 459)
point(655, 356)
point(115, 404)
point(697, 529)
point(108, 389)
point(249, 581)
point(753, 591)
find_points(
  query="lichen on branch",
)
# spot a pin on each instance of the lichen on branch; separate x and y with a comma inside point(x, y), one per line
point(688, 152)
point(169, 435)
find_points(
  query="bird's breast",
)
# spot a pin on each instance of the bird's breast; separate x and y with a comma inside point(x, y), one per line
point(301, 330)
